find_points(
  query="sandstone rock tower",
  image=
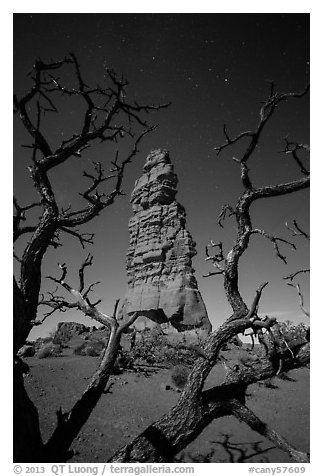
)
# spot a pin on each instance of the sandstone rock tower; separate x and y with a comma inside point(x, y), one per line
point(161, 282)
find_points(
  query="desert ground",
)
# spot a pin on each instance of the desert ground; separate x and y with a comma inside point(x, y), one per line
point(138, 399)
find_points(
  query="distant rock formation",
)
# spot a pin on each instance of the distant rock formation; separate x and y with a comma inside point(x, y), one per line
point(66, 330)
point(161, 281)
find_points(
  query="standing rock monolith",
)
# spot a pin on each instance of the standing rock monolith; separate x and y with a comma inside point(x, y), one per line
point(161, 281)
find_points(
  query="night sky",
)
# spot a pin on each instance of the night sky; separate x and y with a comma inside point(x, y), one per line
point(214, 69)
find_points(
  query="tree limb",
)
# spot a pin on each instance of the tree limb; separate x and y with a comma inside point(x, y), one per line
point(296, 273)
point(112, 122)
point(293, 148)
point(297, 231)
point(301, 298)
point(241, 211)
point(274, 240)
point(164, 438)
point(68, 427)
point(244, 414)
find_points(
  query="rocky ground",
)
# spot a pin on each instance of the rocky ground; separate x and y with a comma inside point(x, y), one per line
point(138, 399)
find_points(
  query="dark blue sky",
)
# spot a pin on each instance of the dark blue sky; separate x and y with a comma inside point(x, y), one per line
point(213, 68)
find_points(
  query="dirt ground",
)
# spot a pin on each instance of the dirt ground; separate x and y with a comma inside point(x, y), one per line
point(137, 400)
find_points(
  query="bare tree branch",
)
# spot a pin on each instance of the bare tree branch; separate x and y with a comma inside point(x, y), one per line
point(216, 259)
point(255, 302)
point(297, 231)
point(265, 113)
point(20, 216)
point(108, 117)
point(275, 240)
point(301, 298)
point(57, 448)
point(195, 411)
point(296, 273)
point(243, 413)
point(241, 211)
point(230, 141)
point(111, 124)
point(226, 209)
point(212, 273)
point(293, 148)
point(87, 262)
point(115, 310)
point(84, 238)
point(100, 201)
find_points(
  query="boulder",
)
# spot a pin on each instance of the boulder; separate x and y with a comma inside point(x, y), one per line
point(66, 330)
point(27, 351)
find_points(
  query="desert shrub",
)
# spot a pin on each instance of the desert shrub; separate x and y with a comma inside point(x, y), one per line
point(142, 350)
point(44, 352)
point(125, 359)
point(290, 331)
point(179, 376)
point(80, 349)
point(64, 345)
point(156, 337)
point(151, 347)
point(156, 350)
point(49, 350)
point(170, 355)
point(91, 351)
point(98, 344)
point(93, 348)
point(116, 369)
point(181, 355)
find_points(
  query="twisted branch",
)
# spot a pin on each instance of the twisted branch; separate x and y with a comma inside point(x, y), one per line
point(297, 231)
point(275, 240)
point(216, 259)
point(21, 216)
point(57, 447)
point(293, 148)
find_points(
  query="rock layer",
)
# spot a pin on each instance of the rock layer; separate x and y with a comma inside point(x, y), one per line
point(161, 281)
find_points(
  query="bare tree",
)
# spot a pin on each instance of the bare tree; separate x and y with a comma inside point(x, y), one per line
point(108, 117)
point(297, 231)
point(196, 407)
point(69, 424)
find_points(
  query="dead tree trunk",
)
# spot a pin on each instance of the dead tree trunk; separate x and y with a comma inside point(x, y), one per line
point(117, 119)
point(196, 409)
point(163, 439)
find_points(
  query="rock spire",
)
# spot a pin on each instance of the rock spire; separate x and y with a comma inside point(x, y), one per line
point(161, 281)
